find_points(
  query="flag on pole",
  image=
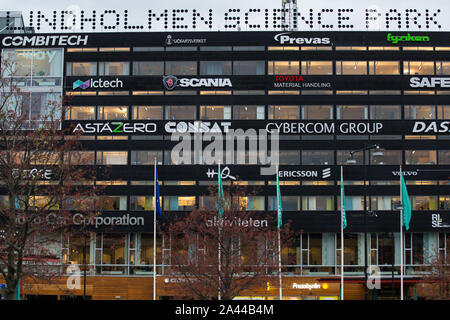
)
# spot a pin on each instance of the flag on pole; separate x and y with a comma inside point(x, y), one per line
point(221, 196)
point(157, 200)
point(405, 203)
point(279, 208)
point(343, 216)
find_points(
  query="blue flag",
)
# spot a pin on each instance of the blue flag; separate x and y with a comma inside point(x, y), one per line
point(157, 201)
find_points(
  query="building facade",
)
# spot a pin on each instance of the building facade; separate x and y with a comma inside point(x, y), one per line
point(325, 93)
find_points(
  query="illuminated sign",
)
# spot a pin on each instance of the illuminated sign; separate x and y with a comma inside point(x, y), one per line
point(98, 84)
point(170, 40)
point(433, 126)
point(297, 82)
point(407, 38)
point(325, 128)
point(308, 286)
point(429, 82)
point(170, 82)
point(437, 222)
point(251, 19)
point(286, 38)
point(115, 127)
point(326, 173)
point(197, 127)
point(45, 41)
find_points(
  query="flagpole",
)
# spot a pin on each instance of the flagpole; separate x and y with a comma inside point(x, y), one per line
point(279, 244)
point(219, 251)
point(401, 235)
point(154, 233)
point(342, 238)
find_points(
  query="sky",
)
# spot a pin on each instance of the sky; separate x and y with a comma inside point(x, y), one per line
point(138, 10)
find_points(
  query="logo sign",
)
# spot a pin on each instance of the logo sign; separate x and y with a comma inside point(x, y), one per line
point(437, 222)
point(429, 82)
point(433, 127)
point(286, 38)
point(324, 127)
point(308, 286)
point(297, 82)
point(171, 41)
point(115, 127)
point(406, 173)
point(326, 173)
point(170, 82)
point(45, 41)
point(98, 84)
point(225, 172)
point(407, 38)
point(197, 127)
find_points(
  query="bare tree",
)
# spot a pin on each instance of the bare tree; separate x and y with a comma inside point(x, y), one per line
point(245, 240)
point(43, 184)
point(438, 277)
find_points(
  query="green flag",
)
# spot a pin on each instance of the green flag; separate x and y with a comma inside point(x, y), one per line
point(221, 196)
point(279, 209)
point(405, 202)
point(343, 216)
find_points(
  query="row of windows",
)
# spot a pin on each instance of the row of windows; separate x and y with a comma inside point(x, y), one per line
point(294, 67)
point(286, 157)
point(256, 92)
point(307, 249)
point(260, 48)
point(283, 112)
point(249, 203)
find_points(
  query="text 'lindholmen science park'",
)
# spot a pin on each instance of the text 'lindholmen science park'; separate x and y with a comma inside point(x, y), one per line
point(315, 106)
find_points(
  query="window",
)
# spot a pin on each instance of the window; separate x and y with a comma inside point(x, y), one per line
point(180, 112)
point(414, 248)
point(317, 157)
point(248, 68)
point(112, 203)
point(283, 67)
point(318, 203)
point(351, 67)
point(352, 112)
point(216, 48)
point(444, 156)
point(317, 112)
point(384, 67)
point(351, 251)
point(112, 113)
point(113, 249)
point(146, 157)
point(419, 112)
point(34, 62)
point(442, 67)
point(284, 112)
point(385, 112)
point(114, 68)
point(80, 113)
point(81, 157)
point(249, 48)
point(423, 202)
point(215, 112)
point(346, 48)
point(148, 68)
point(147, 113)
point(179, 203)
point(388, 157)
point(141, 203)
point(112, 157)
point(215, 68)
point(251, 203)
point(420, 156)
point(181, 68)
point(383, 202)
point(418, 67)
point(248, 112)
point(288, 203)
point(443, 112)
point(289, 157)
point(351, 203)
point(317, 67)
point(343, 158)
